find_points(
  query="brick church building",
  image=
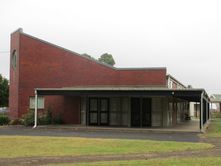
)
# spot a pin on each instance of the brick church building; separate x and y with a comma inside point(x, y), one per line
point(86, 92)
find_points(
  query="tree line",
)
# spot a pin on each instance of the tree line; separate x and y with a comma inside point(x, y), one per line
point(104, 58)
point(4, 91)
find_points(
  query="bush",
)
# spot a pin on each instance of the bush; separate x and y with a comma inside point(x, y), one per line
point(29, 118)
point(43, 119)
point(4, 120)
point(16, 122)
point(57, 120)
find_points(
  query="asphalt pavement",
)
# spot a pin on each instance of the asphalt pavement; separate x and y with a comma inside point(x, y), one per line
point(28, 131)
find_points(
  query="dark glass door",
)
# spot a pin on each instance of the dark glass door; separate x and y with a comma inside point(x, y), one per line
point(98, 111)
point(146, 112)
point(93, 111)
point(140, 112)
point(135, 112)
point(104, 113)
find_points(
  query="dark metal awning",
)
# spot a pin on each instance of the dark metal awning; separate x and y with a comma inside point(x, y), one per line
point(193, 95)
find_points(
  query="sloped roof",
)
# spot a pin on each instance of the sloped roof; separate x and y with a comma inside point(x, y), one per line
point(20, 30)
point(215, 98)
point(168, 75)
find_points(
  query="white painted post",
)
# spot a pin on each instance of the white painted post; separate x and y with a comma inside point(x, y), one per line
point(36, 109)
point(207, 111)
point(201, 112)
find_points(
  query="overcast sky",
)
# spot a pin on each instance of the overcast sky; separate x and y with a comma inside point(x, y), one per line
point(182, 35)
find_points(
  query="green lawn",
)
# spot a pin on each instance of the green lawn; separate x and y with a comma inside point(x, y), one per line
point(215, 128)
point(23, 146)
point(196, 161)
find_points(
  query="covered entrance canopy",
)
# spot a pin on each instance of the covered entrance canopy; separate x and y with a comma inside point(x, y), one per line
point(190, 95)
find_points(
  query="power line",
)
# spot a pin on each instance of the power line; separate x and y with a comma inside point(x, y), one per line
point(4, 52)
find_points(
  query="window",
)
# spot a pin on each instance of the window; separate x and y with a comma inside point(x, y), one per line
point(93, 104)
point(40, 102)
point(14, 59)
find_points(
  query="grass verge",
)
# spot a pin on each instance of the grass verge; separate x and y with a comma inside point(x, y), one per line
point(196, 161)
point(27, 146)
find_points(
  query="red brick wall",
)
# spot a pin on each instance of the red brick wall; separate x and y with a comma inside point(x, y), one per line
point(66, 107)
point(145, 77)
point(14, 78)
point(71, 109)
point(43, 65)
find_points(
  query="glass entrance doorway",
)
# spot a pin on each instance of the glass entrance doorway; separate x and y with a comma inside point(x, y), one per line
point(140, 112)
point(99, 111)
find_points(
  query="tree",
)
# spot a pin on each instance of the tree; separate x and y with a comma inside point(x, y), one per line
point(4, 91)
point(107, 58)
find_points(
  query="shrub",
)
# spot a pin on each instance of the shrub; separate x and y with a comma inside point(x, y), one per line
point(4, 119)
point(57, 120)
point(29, 118)
point(16, 122)
point(43, 119)
point(49, 115)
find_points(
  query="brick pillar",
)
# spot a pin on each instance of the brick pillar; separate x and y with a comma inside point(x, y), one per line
point(220, 107)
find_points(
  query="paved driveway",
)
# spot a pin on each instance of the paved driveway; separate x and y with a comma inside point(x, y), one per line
point(27, 131)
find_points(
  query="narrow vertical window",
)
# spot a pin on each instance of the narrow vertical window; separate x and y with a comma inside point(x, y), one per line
point(14, 59)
